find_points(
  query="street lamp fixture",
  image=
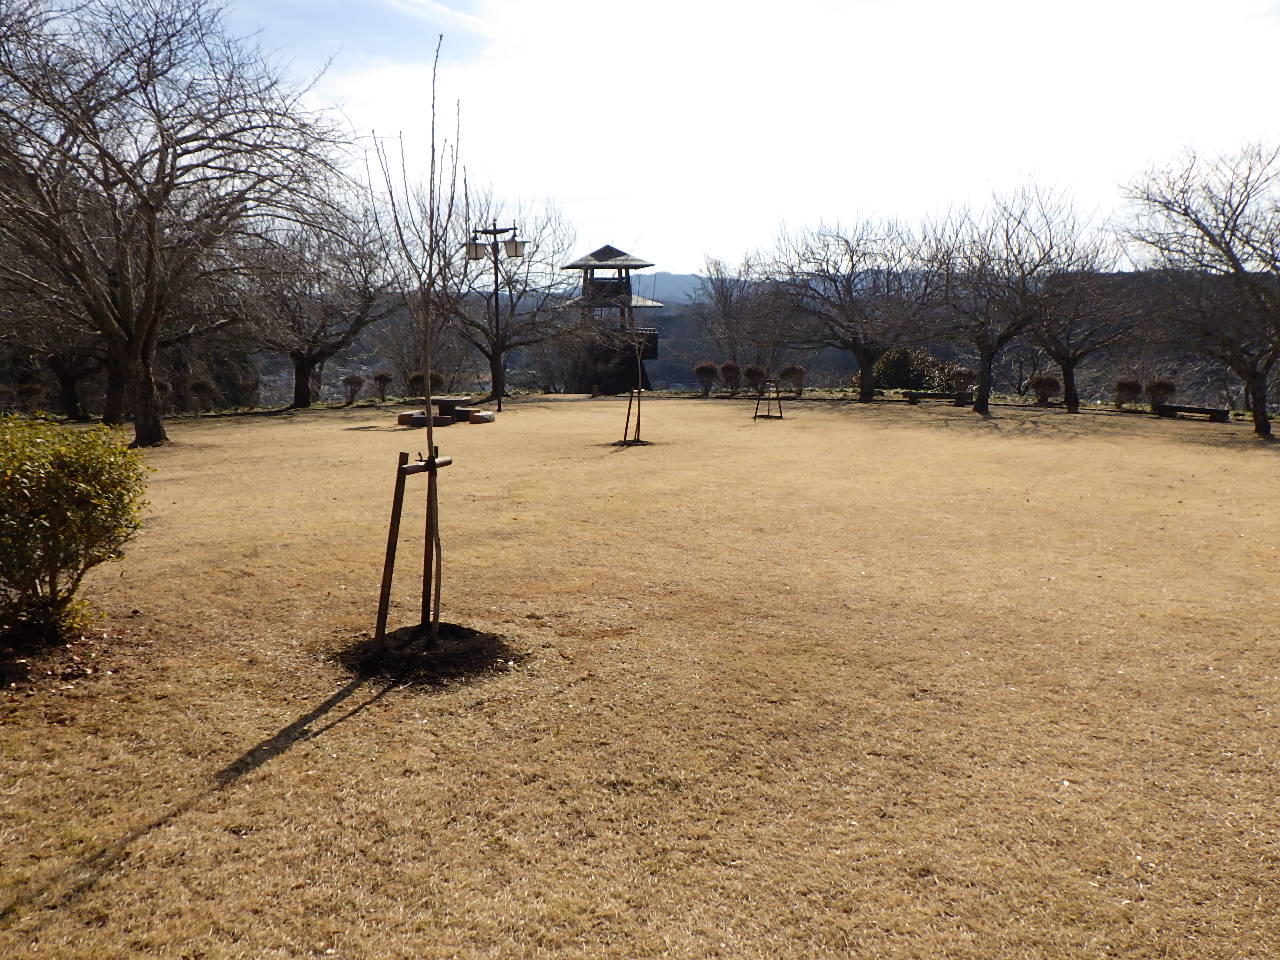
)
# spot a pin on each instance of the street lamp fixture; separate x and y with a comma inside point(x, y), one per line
point(477, 249)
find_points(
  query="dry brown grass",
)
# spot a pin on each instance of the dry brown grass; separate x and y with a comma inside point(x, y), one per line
point(877, 681)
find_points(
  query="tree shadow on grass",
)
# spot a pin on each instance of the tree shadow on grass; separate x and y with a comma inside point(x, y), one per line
point(462, 656)
point(383, 428)
point(1018, 420)
point(290, 412)
point(24, 653)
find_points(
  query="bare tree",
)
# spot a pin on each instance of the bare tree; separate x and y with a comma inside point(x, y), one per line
point(139, 143)
point(319, 285)
point(420, 225)
point(43, 334)
point(742, 314)
point(1212, 227)
point(863, 289)
point(521, 308)
point(993, 273)
point(1018, 364)
point(398, 340)
point(1086, 311)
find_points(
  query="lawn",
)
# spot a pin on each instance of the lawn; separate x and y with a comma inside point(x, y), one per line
point(870, 681)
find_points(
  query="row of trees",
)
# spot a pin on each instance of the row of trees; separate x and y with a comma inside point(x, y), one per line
point(167, 194)
point(1201, 275)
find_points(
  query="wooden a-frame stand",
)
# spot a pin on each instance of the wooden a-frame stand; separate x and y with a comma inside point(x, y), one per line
point(771, 400)
point(430, 589)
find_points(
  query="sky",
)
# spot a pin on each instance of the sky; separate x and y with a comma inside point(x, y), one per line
point(681, 129)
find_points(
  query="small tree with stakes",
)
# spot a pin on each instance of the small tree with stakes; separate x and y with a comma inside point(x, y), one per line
point(417, 229)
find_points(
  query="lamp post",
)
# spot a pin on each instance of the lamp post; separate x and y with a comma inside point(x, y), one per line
point(478, 249)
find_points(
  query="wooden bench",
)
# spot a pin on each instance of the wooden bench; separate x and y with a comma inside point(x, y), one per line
point(1215, 414)
point(960, 398)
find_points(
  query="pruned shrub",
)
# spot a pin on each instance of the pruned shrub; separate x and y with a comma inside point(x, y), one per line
point(731, 375)
point(1160, 391)
point(381, 381)
point(418, 380)
point(1127, 391)
point(249, 392)
point(793, 374)
point(351, 385)
point(202, 390)
point(755, 375)
point(1044, 386)
point(706, 372)
point(69, 500)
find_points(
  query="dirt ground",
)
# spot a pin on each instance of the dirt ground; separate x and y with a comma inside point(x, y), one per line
point(869, 681)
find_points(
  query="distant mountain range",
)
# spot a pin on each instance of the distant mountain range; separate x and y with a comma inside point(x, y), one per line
point(672, 289)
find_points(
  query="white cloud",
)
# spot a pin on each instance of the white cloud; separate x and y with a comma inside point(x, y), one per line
point(443, 14)
point(676, 128)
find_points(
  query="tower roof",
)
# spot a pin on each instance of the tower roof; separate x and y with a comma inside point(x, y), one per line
point(619, 300)
point(608, 258)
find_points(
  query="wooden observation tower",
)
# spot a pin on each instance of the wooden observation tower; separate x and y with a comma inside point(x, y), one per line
point(608, 303)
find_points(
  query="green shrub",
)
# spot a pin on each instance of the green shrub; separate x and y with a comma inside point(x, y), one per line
point(902, 369)
point(69, 500)
point(962, 378)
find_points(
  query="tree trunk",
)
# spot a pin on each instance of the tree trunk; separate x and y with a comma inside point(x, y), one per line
point(148, 417)
point(117, 385)
point(1255, 388)
point(867, 357)
point(1070, 394)
point(304, 366)
point(68, 375)
point(982, 396)
point(497, 376)
point(317, 379)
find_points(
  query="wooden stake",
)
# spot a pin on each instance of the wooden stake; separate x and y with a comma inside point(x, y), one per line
point(626, 429)
point(389, 563)
point(429, 544)
point(639, 382)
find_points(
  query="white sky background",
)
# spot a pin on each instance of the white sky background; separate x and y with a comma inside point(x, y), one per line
point(676, 129)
